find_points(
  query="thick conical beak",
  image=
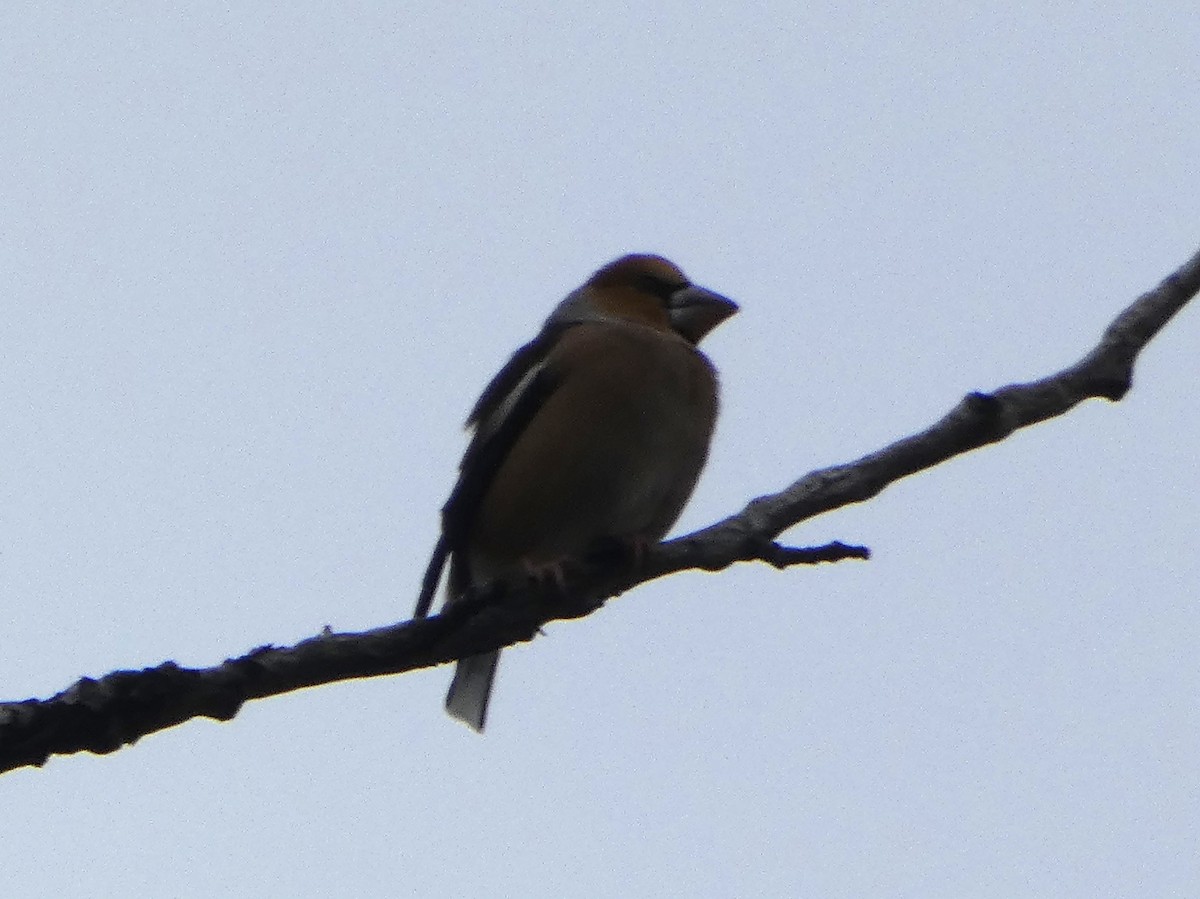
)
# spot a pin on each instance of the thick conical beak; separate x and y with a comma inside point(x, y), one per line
point(694, 311)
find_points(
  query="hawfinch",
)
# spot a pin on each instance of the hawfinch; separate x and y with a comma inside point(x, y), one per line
point(594, 432)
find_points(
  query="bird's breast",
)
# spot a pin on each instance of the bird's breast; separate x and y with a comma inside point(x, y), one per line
point(613, 452)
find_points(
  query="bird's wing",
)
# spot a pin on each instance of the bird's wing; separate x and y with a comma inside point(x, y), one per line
point(507, 405)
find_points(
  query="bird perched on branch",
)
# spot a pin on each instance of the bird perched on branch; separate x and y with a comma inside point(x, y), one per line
point(595, 431)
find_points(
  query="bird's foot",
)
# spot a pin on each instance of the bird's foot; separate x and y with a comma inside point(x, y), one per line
point(547, 575)
point(629, 553)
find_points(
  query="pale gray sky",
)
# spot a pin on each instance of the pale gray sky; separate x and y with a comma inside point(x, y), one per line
point(255, 266)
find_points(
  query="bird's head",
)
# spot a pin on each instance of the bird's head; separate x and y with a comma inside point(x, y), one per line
point(648, 290)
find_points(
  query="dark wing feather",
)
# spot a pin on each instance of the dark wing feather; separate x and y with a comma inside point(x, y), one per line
point(507, 405)
point(506, 380)
point(433, 574)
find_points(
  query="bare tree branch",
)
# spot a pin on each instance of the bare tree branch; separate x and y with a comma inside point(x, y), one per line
point(116, 710)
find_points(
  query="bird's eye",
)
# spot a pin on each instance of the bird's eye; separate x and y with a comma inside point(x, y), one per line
point(658, 286)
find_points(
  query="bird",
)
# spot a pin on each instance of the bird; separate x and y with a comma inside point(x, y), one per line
point(595, 432)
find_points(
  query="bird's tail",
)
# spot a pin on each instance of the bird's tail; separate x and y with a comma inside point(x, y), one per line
point(471, 688)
